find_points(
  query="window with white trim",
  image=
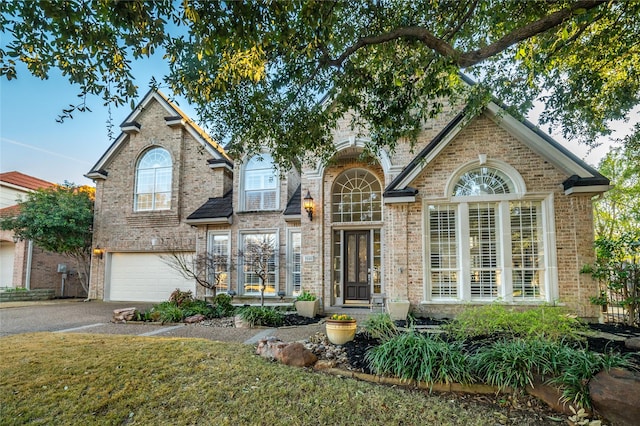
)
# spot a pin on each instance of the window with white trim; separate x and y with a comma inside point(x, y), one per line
point(260, 184)
point(486, 242)
point(357, 197)
point(294, 255)
point(153, 181)
point(218, 261)
point(254, 261)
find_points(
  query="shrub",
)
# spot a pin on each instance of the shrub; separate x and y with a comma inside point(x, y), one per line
point(579, 367)
point(223, 303)
point(179, 297)
point(381, 326)
point(424, 358)
point(514, 363)
point(259, 315)
point(547, 322)
point(167, 312)
point(199, 307)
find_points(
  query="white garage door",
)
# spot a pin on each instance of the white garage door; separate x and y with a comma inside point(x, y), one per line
point(143, 277)
point(7, 250)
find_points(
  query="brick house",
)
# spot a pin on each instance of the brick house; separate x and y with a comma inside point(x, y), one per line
point(482, 209)
point(22, 263)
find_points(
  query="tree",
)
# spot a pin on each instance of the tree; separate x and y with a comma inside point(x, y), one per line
point(210, 270)
point(58, 219)
point(618, 210)
point(258, 72)
point(258, 259)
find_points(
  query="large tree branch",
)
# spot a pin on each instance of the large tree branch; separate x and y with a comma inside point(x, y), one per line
point(466, 59)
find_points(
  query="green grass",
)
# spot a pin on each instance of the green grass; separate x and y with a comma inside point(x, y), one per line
point(48, 378)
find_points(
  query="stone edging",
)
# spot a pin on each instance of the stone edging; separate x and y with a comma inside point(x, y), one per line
point(438, 387)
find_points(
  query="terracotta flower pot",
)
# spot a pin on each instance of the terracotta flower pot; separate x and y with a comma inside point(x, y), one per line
point(340, 332)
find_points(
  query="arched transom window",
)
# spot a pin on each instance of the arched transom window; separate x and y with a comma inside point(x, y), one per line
point(260, 184)
point(153, 181)
point(357, 197)
point(483, 181)
point(487, 241)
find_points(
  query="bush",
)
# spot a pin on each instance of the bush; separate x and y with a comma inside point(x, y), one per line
point(201, 307)
point(381, 326)
point(424, 358)
point(259, 315)
point(180, 297)
point(223, 304)
point(167, 312)
point(552, 323)
point(514, 363)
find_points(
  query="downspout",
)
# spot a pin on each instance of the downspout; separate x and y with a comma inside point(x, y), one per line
point(27, 278)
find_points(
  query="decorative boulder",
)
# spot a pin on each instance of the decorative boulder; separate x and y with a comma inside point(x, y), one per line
point(294, 354)
point(123, 315)
point(633, 343)
point(616, 396)
point(194, 319)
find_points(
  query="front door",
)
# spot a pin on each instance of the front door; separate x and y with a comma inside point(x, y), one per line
point(356, 265)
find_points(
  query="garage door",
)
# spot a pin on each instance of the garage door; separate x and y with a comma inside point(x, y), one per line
point(143, 277)
point(7, 250)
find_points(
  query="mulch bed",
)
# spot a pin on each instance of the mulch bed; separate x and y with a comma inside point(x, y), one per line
point(357, 348)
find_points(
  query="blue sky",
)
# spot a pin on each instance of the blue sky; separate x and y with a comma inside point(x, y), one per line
point(32, 142)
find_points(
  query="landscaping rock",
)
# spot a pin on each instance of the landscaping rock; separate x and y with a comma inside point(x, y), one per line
point(633, 343)
point(294, 354)
point(123, 315)
point(270, 348)
point(616, 396)
point(550, 396)
point(194, 319)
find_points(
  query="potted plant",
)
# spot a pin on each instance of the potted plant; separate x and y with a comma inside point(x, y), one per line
point(307, 304)
point(341, 328)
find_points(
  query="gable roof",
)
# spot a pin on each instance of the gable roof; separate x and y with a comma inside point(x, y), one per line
point(214, 210)
point(175, 117)
point(19, 180)
point(582, 177)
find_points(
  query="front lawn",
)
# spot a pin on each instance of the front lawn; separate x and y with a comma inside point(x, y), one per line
point(87, 379)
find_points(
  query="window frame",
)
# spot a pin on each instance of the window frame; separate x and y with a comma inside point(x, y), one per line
point(242, 235)
point(260, 172)
point(211, 235)
point(460, 205)
point(154, 192)
point(338, 215)
point(292, 262)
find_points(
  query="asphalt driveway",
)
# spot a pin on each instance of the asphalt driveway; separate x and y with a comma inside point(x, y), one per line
point(95, 317)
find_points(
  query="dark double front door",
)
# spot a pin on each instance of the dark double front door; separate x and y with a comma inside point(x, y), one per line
point(357, 265)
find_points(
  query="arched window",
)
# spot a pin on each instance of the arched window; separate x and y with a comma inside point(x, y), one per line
point(357, 197)
point(260, 184)
point(486, 242)
point(483, 181)
point(153, 181)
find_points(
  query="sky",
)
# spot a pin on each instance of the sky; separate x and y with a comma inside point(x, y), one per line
point(32, 142)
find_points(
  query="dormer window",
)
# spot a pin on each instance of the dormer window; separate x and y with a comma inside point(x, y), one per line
point(260, 184)
point(153, 181)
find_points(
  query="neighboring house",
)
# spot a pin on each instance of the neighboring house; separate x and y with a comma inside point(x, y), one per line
point(22, 263)
point(484, 209)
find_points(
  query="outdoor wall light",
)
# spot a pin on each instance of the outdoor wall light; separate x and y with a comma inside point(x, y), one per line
point(98, 252)
point(308, 205)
